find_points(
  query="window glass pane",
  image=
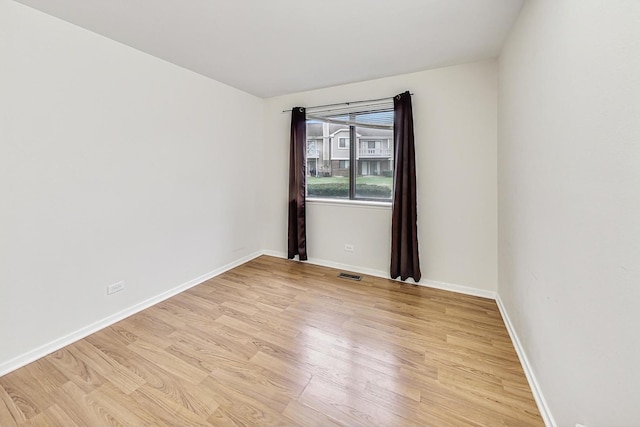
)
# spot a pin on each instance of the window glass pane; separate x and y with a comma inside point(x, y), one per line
point(329, 148)
point(328, 172)
point(375, 118)
point(374, 170)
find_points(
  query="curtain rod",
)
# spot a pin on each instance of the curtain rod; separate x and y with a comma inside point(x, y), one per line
point(347, 103)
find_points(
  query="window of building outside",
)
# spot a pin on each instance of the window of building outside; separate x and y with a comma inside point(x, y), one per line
point(350, 154)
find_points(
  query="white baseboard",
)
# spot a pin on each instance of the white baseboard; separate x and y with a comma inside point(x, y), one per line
point(483, 293)
point(61, 342)
point(385, 275)
point(526, 366)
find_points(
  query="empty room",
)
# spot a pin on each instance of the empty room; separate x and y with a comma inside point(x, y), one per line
point(331, 213)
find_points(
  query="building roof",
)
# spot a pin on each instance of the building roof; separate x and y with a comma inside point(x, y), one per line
point(314, 130)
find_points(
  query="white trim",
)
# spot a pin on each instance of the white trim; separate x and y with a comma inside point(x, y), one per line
point(385, 275)
point(57, 344)
point(348, 203)
point(545, 412)
point(466, 290)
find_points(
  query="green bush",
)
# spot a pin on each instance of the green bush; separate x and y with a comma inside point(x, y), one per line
point(387, 173)
point(341, 189)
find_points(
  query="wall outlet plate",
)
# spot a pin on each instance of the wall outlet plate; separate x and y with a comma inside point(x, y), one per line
point(116, 287)
point(349, 247)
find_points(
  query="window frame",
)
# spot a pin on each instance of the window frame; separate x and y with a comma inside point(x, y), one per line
point(352, 163)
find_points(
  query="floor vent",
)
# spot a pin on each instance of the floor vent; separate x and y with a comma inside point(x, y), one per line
point(349, 276)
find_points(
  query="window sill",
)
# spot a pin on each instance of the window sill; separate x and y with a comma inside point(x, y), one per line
point(344, 202)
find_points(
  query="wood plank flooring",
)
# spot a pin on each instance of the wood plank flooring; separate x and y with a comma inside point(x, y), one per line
point(276, 342)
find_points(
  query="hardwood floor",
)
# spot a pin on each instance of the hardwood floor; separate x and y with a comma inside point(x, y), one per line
point(277, 342)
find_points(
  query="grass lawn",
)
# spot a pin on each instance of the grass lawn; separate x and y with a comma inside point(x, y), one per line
point(383, 181)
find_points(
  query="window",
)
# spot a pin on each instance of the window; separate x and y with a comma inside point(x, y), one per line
point(356, 162)
point(312, 149)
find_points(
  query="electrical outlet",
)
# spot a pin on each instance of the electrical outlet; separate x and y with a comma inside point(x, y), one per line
point(348, 247)
point(116, 287)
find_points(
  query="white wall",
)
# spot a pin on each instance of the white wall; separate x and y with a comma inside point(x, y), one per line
point(114, 165)
point(456, 137)
point(569, 204)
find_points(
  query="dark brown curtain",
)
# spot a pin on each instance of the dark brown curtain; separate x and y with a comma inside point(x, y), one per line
point(405, 261)
point(297, 219)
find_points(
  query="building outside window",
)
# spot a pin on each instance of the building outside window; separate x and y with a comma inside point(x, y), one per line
point(351, 156)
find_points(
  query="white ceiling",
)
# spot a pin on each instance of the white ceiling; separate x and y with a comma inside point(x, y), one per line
point(275, 47)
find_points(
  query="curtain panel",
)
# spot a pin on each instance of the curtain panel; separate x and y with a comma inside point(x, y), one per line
point(405, 261)
point(297, 236)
